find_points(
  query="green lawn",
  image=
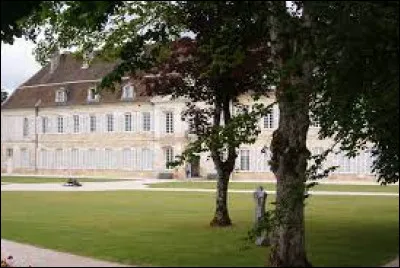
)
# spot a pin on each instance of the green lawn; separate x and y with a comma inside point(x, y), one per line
point(171, 228)
point(10, 179)
point(271, 186)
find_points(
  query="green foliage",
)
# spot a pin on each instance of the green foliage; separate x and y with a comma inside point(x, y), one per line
point(4, 95)
point(356, 80)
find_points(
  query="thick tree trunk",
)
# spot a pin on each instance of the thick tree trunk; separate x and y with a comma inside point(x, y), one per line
point(221, 217)
point(289, 163)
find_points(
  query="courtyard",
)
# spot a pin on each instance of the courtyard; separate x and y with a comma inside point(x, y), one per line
point(171, 228)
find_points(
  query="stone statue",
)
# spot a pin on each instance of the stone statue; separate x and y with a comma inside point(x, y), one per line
point(260, 197)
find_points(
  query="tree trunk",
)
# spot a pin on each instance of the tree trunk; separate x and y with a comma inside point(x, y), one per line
point(289, 163)
point(221, 217)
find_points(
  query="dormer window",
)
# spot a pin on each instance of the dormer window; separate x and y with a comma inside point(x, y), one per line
point(127, 92)
point(93, 96)
point(61, 95)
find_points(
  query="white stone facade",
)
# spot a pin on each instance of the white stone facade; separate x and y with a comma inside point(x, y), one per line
point(132, 139)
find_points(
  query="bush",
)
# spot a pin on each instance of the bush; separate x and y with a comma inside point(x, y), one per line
point(212, 176)
point(165, 176)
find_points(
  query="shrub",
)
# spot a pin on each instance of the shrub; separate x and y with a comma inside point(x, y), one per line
point(165, 176)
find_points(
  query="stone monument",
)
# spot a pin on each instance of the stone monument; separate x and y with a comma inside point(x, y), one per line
point(260, 197)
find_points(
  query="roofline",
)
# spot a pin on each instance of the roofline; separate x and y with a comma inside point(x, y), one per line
point(66, 82)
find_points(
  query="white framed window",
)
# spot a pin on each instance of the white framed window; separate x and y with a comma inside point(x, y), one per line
point(168, 156)
point(110, 122)
point(92, 123)
point(128, 121)
point(43, 159)
point(76, 123)
point(92, 95)
point(108, 159)
point(127, 92)
point(60, 124)
point(75, 158)
point(147, 159)
point(169, 122)
point(45, 124)
point(269, 119)
point(59, 158)
point(61, 95)
point(25, 127)
point(244, 159)
point(146, 121)
point(24, 158)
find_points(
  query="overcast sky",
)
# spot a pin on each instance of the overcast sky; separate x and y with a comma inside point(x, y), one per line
point(17, 64)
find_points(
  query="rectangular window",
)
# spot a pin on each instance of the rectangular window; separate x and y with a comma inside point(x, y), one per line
point(110, 123)
point(60, 95)
point(9, 152)
point(269, 120)
point(244, 160)
point(45, 124)
point(128, 122)
point(76, 123)
point(60, 124)
point(169, 122)
point(169, 156)
point(75, 158)
point(25, 127)
point(24, 158)
point(92, 123)
point(146, 121)
point(147, 159)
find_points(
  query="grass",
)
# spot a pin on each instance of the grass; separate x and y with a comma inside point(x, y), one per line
point(271, 186)
point(171, 228)
point(11, 179)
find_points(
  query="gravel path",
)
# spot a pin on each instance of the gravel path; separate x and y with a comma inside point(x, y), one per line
point(27, 255)
point(141, 185)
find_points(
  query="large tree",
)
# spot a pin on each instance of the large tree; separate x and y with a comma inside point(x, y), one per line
point(227, 56)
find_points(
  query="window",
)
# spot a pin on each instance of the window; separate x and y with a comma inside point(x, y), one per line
point(128, 122)
point(9, 152)
point(60, 124)
point(244, 160)
point(127, 92)
point(110, 123)
point(147, 159)
point(92, 95)
point(45, 124)
point(24, 158)
point(269, 120)
point(146, 121)
point(25, 127)
point(92, 123)
point(59, 158)
point(169, 156)
point(169, 122)
point(61, 95)
point(76, 123)
point(74, 158)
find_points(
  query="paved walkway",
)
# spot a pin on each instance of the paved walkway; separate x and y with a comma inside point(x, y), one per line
point(141, 185)
point(27, 255)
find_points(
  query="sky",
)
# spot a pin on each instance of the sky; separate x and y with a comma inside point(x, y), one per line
point(17, 64)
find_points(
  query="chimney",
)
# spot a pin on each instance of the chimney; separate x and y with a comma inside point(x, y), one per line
point(54, 61)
